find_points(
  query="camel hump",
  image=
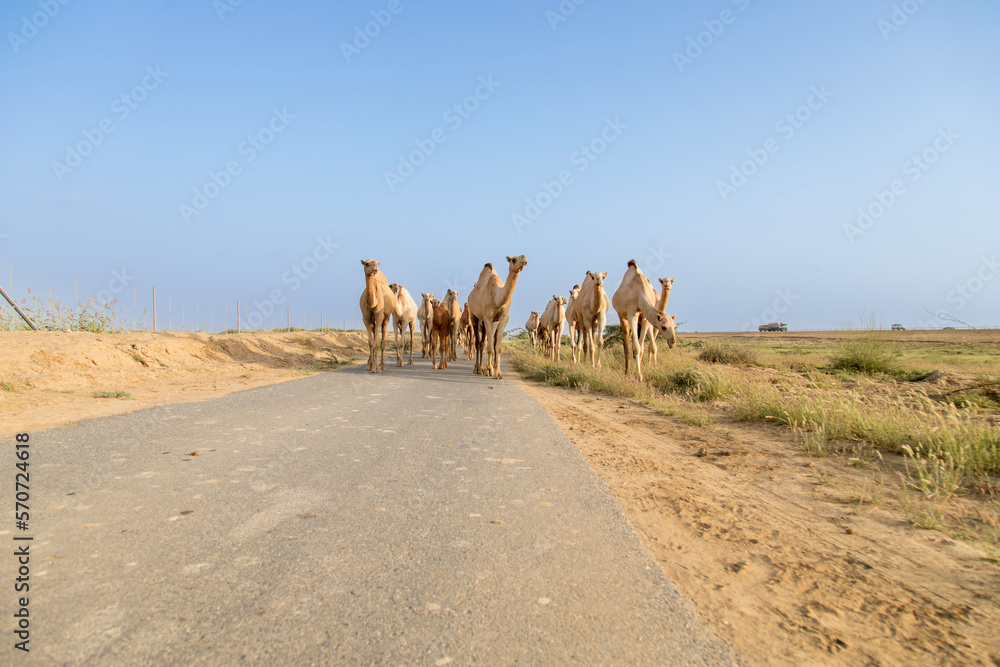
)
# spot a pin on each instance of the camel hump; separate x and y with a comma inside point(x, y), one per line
point(632, 263)
point(488, 265)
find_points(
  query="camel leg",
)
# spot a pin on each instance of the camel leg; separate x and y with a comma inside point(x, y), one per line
point(370, 330)
point(638, 334)
point(445, 343)
point(626, 341)
point(381, 365)
point(410, 363)
point(395, 337)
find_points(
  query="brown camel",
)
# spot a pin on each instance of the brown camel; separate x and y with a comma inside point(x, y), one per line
point(443, 330)
point(531, 326)
point(552, 320)
point(575, 340)
point(665, 284)
point(467, 335)
point(456, 320)
point(425, 314)
point(635, 303)
point(377, 304)
point(489, 303)
point(591, 315)
point(403, 316)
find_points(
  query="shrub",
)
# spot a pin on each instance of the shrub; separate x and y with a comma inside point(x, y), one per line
point(868, 352)
point(728, 353)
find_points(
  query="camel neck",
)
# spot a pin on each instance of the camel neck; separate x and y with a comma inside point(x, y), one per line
point(370, 286)
point(508, 290)
point(662, 303)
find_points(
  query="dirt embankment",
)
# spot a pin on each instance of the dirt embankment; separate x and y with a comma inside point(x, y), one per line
point(55, 378)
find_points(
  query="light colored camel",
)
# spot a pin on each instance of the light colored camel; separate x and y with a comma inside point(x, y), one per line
point(377, 304)
point(635, 302)
point(489, 303)
point(553, 320)
point(591, 314)
point(403, 316)
point(531, 326)
point(425, 314)
point(443, 330)
point(466, 329)
point(665, 285)
point(574, 331)
point(456, 323)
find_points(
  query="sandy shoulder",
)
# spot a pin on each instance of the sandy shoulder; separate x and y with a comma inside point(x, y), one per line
point(771, 549)
point(49, 379)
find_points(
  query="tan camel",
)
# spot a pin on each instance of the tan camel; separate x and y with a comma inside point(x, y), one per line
point(456, 323)
point(591, 315)
point(377, 304)
point(574, 330)
point(489, 303)
point(425, 314)
point(466, 329)
point(404, 315)
point(665, 284)
point(531, 326)
point(635, 302)
point(545, 340)
point(553, 320)
point(443, 330)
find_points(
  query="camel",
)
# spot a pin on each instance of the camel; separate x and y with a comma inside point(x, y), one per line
point(466, 329)
point(666, 284)
point(443, 330)
point(456, 322)
point(377, 303)
point(552, 320)
point(635, 302)
point(591, 314)
point(489, 303)
point(544, 339)
point(403, 316)
point(425, 314)
point(531, 326)
point(574, 330)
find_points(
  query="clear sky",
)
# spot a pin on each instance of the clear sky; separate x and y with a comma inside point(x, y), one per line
point(822, 164)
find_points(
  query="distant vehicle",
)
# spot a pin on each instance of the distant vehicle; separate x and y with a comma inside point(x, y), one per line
point(773, 326)
point(898, 327)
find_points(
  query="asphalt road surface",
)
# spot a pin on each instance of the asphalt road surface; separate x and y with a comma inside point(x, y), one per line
point(417, 517)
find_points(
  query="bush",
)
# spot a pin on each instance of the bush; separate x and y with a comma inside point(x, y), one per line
point(868, 353)
point(728, 353)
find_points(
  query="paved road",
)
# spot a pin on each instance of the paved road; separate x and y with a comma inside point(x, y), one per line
point(418, 517)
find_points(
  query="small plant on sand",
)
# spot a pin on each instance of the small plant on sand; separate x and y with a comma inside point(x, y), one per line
point(112, 394)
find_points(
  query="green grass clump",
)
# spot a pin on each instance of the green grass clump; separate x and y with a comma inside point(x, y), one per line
point(869, 353)
point(728, 353)
point(112, 394)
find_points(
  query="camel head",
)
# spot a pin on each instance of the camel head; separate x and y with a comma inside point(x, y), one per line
point(371, 266)
point(452, 295)
point(598, 277)
point(667, 283)
point(666, 327)
point(517, 263)
point(561, 300)
point(395, 288)
point(427, 295)
point(575, 292)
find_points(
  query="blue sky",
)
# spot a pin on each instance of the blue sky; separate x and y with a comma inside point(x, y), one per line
point(731, 145)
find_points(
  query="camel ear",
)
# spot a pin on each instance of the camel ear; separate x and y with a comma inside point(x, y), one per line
point(605, 274)
point(362, 262)
point(508, 259)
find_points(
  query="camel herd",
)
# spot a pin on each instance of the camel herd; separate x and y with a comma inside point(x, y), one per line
point(481, 323)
